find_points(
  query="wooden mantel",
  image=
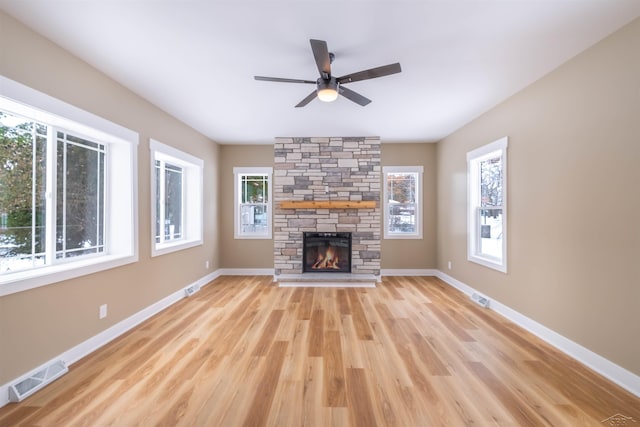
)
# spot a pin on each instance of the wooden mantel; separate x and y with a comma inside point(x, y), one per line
point(328, 204)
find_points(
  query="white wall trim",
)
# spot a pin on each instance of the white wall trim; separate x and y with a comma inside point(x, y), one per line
point(617, 374)
point(94, 343)
point(408, 272)
point(246, 271)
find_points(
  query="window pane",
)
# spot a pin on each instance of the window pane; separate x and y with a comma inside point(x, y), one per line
point(490, 231)
point(80, 205)
point(22, 192)
point(253, 218)
point(401, 189)
point(173, 202)
point(491, 182)
point(254, 188)
point(159, 218)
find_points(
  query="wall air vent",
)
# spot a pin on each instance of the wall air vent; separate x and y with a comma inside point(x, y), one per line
point(480, 299)
point(36, 380)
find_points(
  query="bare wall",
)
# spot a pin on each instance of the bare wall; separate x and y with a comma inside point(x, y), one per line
point(573, 199)
point(414, 253)
point(39, 324)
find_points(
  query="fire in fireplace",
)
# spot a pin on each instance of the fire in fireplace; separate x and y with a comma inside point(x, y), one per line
point(326, 252)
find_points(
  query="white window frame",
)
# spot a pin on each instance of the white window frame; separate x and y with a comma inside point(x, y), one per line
point(121, 186)
point(192, 198)
point(238, 173)
point(417, 234)
point(474, 158)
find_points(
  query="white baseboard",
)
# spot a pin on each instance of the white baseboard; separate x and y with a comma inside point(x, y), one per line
point(617, 374)
point(408, 272)
point(92, 344)
point(246, 271)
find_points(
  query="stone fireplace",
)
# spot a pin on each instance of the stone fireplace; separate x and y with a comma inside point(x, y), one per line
point(337, 180)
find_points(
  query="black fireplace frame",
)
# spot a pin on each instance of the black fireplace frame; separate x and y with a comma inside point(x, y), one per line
point(344, 242)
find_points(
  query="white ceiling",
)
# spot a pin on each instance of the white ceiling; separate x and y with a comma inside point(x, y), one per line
point(196, 59)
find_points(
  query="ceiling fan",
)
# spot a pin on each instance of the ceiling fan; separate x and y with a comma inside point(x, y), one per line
point(327, 86)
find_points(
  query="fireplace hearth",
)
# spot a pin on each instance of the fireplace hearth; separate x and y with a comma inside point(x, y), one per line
point(326, 252)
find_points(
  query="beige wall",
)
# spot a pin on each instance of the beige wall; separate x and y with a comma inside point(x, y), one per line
point(241, 253)
point(39, 324)
point(573, 200)
point(414, 253)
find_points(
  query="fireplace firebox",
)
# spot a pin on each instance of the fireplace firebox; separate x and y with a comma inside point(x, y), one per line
point(326, 252)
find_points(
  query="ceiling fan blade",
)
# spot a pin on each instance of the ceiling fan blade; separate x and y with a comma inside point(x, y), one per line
point(353, 96)
point(308, 99)
point(372, 73)
point(281, 80)
point(321, 55)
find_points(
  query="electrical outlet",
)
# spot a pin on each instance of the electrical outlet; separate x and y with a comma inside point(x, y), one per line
point(449, 265)
point(103, 311)
point(206, 265)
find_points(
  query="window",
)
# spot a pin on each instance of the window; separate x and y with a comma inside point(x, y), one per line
point(64, 210)
point(176, 199)
point(402, 196)
point(487, 203)
point(252, 209)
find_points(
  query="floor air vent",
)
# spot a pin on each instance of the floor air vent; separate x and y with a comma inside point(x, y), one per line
point(190, 290)
point(480, 299)
point(36, 380)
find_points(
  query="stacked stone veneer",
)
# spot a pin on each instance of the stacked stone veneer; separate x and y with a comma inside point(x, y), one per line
point(304, 169)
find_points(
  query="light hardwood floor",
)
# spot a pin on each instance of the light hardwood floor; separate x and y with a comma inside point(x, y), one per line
point(243, 352)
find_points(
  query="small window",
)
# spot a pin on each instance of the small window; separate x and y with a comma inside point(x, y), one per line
point(402, 202)
point(252, 208)
point(487, 201)
point(176, 199)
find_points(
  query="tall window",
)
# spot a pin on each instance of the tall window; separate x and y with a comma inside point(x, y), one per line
point(252, 203)
point(169, 201)
point(176, 200)
point(64, 211)
point(402, 196)
point(487, 220)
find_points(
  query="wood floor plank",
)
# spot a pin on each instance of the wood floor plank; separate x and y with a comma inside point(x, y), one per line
point(360, 407)
point(334, 382)
point(410, 352)
point(360, 321)
point(259, 409)
point(316, 334)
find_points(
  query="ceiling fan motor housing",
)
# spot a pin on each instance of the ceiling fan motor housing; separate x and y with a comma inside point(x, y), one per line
point(330, 84)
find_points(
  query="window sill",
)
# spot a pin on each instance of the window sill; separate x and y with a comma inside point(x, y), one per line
point(402, 236)
point(488, 262)
point(11, 283)
point(167, 248)
point(254, 237)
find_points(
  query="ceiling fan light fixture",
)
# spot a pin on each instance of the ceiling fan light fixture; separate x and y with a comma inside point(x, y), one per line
point(327, 95)
point(327, 90)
